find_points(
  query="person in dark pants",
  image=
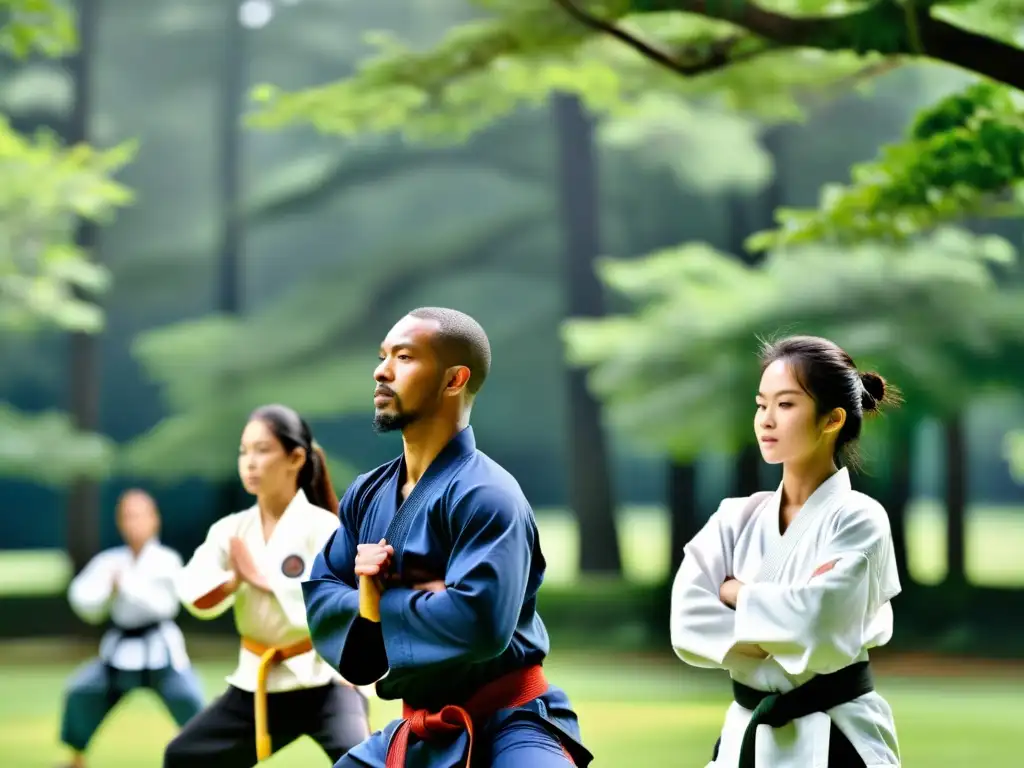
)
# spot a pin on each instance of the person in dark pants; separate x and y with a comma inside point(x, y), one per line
point(335, 716)
point(132, 588)
point(254, 561)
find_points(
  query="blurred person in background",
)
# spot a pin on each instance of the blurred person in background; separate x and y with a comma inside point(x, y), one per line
point(254, 561)
point(788, 590)
point(132, 587)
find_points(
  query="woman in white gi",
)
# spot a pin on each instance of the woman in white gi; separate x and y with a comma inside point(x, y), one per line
point(255, 562)
point(788, 591)
point(132, 588)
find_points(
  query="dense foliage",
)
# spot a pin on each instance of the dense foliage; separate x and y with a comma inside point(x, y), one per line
point(47, 281)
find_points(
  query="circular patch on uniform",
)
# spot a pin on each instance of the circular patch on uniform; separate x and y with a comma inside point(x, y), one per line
point(293, 566)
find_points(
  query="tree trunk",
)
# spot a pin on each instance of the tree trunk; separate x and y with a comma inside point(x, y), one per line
point(750, 214)
point(229, 495)
point(590, 486)
point(956, 498)
point(233, 84)
point(897, 497)
point(684, 520)
point(891, 485)
point(747, 216)
point(83, 503)
point(747, 477)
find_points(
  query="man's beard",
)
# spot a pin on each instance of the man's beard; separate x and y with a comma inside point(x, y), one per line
point(399, 419)
point(391, 422)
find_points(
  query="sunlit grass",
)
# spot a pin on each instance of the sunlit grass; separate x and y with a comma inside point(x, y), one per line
point(634, 712)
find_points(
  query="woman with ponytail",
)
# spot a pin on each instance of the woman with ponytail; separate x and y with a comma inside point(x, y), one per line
point(255, 562)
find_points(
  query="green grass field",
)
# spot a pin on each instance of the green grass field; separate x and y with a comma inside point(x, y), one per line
point(634, 712)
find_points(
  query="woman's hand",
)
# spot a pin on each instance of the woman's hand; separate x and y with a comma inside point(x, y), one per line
point(729, 592)
point(245, 567)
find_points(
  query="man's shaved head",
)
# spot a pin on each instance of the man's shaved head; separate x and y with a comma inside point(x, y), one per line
point(459, 340)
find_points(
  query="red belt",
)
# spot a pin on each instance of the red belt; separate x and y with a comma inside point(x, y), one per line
point(512, 690)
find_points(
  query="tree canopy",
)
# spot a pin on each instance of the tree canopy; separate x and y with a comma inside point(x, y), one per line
point(962, 157)
point(927, 316)
point(651, 69)
point(47, 282)
point(215, 370)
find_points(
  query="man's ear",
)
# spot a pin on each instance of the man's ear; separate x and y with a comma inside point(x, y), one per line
point(456, 379)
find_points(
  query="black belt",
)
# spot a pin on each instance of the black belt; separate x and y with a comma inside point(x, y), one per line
point(129, 633)
point(819, 694)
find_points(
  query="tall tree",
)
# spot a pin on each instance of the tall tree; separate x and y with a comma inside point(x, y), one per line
point(955, 476)
point(83, 504)
point(396, 81)
point(233, 83)
point(591, 496)
point(309, 347)
point(961, 157)
point(929, 315)
point(47, 279)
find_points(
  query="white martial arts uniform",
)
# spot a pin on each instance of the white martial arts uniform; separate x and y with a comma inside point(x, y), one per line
point(808, 626)
point(143, 648)
point(274, 620)
point(145, 597)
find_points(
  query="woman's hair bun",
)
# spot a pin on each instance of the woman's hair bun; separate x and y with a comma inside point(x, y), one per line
point(874, 388)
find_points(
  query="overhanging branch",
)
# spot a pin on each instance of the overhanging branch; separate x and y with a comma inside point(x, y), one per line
point(885, 27)
point(981, 54)
point(862, 75)
point(721, 53)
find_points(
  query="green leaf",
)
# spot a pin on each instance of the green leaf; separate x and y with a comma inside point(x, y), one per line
point(47, 190)
point(46, 280)
point(37, 26)
point(708, 149)
point(929, 315)
point(240, 364)
point(45, 448)
point(963, 157)
point(523, 52)
point(1013, 451)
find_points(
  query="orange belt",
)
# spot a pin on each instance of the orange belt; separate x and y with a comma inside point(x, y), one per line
point(512, 690)
point(269, 656)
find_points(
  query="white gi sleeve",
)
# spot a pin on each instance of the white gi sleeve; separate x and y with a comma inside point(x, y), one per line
point(91, 592)
point(208, 569)
point(701, 625)
point(824, 624)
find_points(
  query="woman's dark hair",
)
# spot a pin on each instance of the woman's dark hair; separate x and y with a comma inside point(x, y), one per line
point(293, 432)
point(830, 377)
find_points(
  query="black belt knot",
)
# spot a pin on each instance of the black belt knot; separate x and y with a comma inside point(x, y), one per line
point(132, 633)
point(819, 694)
point(129, 633)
